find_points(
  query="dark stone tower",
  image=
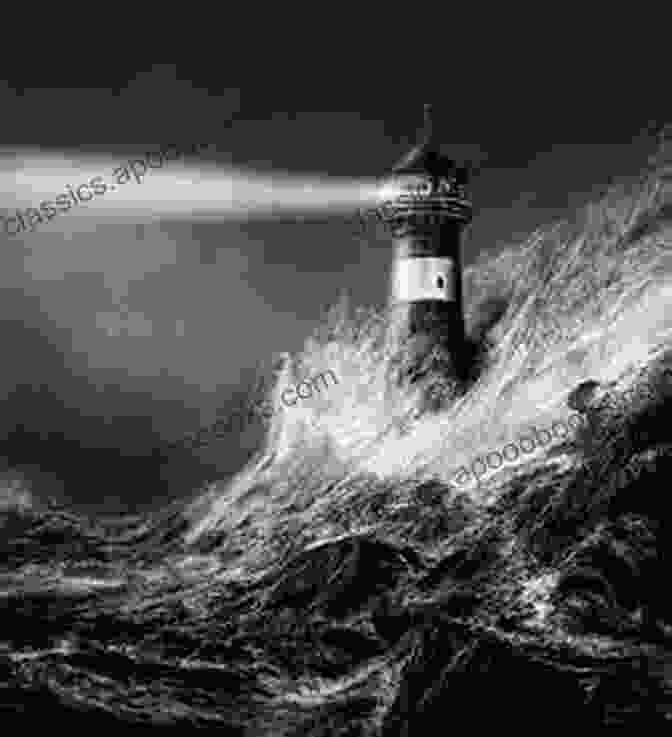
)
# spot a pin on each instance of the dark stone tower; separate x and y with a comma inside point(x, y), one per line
point(425, 206)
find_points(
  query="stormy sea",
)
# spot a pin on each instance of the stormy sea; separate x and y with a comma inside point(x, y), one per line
point(383, 566)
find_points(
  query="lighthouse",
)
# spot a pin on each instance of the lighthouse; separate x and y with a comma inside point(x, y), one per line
point(425, 207)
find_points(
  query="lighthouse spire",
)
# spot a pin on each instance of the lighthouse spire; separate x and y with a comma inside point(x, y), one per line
point(428, 131)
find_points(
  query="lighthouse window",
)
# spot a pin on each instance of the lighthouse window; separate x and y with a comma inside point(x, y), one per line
point(440, 283)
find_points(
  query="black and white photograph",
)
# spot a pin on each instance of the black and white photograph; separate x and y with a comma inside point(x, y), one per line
point(344, 414)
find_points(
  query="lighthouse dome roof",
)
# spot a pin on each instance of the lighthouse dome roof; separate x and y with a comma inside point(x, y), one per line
point(424, 159)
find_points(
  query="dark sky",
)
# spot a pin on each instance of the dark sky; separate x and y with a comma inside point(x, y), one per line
point(124, 335)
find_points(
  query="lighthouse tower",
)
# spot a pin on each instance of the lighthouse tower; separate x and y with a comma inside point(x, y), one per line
point(425, 206)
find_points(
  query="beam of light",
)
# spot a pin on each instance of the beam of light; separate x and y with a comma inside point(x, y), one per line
point(183, 190)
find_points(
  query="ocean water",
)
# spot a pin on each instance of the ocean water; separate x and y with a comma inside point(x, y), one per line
point(343, 583)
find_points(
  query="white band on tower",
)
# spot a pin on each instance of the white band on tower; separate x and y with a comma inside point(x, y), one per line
point(424, 278)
